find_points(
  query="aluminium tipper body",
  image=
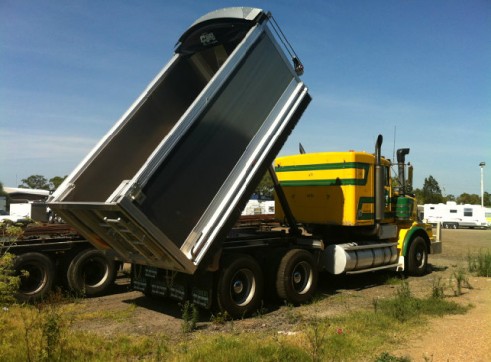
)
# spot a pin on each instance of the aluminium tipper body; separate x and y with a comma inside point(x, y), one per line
point(168, 181)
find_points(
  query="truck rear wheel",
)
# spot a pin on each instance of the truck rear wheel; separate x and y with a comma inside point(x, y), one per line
point(91, 272)
point(297, 276)
point(38, 279)
point(417, 257)
point(240, 285)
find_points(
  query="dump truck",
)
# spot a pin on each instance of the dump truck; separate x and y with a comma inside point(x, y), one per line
point(163, 190)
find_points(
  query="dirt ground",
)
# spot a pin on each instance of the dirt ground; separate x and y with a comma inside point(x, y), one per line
point(450, 338)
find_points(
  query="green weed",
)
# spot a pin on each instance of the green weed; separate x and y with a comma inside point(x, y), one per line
point(190, 317)
point(480, 264)
point(316, 332)
point(387, 357)
point(404, 307)
point(220, 318)
point(393, 279)
point(9, 281)
point(461, 281)
point(438, 289)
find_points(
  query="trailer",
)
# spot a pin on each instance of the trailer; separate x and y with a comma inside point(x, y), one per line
point(165, 187)
point(453, 216)
point(256, 206)
point(48, 255)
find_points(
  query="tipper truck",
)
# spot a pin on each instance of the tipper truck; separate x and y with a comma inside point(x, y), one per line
point(164, 188)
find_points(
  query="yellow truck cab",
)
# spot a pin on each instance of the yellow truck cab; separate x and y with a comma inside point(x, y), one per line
point(350, 201)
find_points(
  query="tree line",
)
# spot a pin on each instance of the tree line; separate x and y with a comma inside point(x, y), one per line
point(431, 193)
point(41, 183)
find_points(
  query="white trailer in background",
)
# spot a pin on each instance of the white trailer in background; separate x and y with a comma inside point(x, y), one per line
point(453, 216)
point(259, 207)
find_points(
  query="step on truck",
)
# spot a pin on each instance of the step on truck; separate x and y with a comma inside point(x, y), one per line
point(164, 188)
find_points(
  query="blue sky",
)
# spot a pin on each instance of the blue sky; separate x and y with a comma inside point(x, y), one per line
point(419, 70)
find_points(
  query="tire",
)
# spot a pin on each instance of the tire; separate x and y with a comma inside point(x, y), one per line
point(296, 279)
point(91, 272)
point(455, 226)
point(240, 285)
point(417, 257)
point(40, 278)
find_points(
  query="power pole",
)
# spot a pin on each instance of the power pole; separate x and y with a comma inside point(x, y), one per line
point(482, 164)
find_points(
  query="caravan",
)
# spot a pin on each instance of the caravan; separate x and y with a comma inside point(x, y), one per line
point(453, 216)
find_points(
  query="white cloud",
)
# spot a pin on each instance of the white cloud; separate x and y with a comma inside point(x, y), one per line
point(20, 145)
point(24, 153)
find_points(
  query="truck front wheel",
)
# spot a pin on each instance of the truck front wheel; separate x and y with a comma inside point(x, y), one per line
point(37, 274)
point(417, 257)
point(297, 276)
point(240, 285)
point(91, 273)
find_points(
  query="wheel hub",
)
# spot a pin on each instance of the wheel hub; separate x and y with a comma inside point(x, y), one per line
point(302, 277)
point(297, 277)
point(238, 286)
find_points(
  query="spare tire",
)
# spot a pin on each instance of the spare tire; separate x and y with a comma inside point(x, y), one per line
point(91, 272)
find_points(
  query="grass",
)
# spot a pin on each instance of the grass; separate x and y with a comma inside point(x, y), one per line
point(110, 315)
point(480, 264)
point(406, 308)
point(45, 332)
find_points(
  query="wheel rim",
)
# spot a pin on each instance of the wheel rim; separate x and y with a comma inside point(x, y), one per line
point(242, 287)
point(420, 256)
point(94, 272)
point(35, 280)
point(302, 276)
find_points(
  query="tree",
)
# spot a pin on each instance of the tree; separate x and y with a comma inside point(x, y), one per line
point(56, 181)
point(431, 192)
point(41, 182)
point(487, 199)
point(471, 199)
point(35, 182)
point(450, 197)
point(4, 197)
point(265, 188)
